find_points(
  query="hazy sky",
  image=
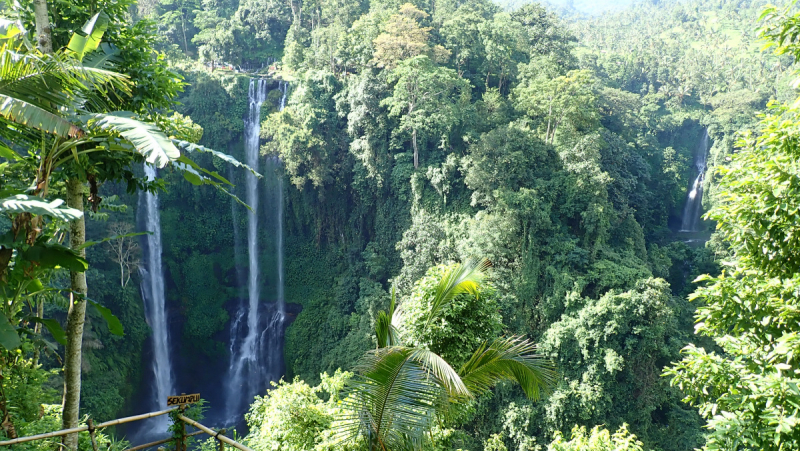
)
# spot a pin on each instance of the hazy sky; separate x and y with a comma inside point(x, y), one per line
point(583, 6)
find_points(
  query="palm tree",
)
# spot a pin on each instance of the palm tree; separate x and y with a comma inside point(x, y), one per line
point(400, 392)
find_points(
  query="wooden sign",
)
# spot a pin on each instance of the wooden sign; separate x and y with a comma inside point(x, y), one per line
point(182, 399)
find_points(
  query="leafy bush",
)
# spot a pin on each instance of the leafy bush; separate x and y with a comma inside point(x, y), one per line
point(599, 439)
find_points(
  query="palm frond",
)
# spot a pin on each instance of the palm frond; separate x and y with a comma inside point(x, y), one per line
point(192, 147)
point(54, 81)
point(441, 371)
point(463, 278)
point(509, 358)
point(23, 203)
point(146, 138)
point(36, 90)
point(385, 331)
point(21, 113)
point(392, 400)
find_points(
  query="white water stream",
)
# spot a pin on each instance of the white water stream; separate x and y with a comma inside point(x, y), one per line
point(152, 287)
point(693, 209)
point(255, 350)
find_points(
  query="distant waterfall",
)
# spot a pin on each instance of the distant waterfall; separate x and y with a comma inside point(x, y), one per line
point(284, 89)
point(694, 200)
point(152, 287)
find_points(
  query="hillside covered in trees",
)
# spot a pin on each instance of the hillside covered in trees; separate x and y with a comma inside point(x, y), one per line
point(424, 225)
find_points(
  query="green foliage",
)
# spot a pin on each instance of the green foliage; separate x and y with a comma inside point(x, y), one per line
point(196, 412)
point(401, 391)
point(574, 216)
point(307, 133)
point(428, 101)
point(613, 346)
point(48, 419)
point(463, 324)
point(297, 417)
point(746, 387)
point(562, 101)
point(155, 87)
point(598, 439)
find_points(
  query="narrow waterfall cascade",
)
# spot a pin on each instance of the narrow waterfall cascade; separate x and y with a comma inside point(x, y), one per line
point(244, 368)
point(277, 166)
point(284, 89)
point(693, 209)
point(152, 287)
point(271, 340)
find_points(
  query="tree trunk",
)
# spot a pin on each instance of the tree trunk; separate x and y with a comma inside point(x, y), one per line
point(183, 28)
point(44, 39)
point(37, 329)
point(549, 118)
point(416, 151)
point(75, 320)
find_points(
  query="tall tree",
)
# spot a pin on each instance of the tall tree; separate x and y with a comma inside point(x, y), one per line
point(426, 99)
point(555, 102)
point(403, 37)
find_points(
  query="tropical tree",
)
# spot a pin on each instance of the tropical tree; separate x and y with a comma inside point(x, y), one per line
point(425, 99)
point(404, 37)
point(556, 102)
point(400, 391)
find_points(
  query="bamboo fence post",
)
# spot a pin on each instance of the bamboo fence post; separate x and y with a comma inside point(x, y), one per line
point(91, 434)
point(183, 428)
point(220, 442)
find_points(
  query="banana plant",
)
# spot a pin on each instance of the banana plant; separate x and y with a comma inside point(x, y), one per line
point(400, 392)
point(63, 95)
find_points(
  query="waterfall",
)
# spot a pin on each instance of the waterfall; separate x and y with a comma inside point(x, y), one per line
point(272, 338)
point(244, 369)
point(694, 200)
point(256, 343)
point(284, 90)
point(152, 287)
point(279, 213)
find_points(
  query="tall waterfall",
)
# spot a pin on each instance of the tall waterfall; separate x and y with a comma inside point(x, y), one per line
point(279, 214)
point(257, 358)
point(694, 200)
point(152, 287)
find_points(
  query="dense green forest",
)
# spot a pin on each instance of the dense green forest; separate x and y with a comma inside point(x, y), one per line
point(482, 219)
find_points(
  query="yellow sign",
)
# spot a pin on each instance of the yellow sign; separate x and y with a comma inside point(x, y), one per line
point(182, 399)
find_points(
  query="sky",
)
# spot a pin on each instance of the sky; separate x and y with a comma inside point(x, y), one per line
point(590, 7)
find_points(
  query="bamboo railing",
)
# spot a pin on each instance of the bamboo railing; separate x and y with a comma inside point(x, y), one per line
point(91, 427)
